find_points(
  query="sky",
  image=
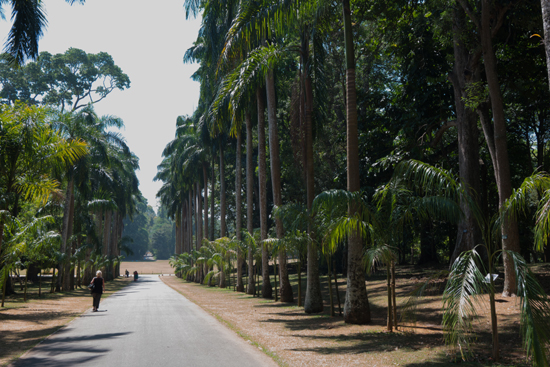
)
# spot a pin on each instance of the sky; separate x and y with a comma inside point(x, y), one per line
point(148, 43)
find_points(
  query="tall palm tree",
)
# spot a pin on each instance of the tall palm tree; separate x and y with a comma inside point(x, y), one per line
point(29, 20)
point(85, 125)
point(356, 306)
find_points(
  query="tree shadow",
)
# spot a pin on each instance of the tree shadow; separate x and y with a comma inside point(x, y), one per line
point(48, 352)
point(369, 342)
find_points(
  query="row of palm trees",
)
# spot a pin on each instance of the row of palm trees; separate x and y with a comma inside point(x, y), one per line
point(237, 47)
point(417, 191)
point(100, 189)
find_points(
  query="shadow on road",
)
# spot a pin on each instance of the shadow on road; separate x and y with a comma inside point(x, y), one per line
point(50, 350)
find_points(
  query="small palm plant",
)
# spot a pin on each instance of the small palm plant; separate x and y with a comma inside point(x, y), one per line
point(469, 279)
point(250, 241)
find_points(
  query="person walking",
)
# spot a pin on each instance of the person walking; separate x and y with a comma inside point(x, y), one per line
point(98, 287)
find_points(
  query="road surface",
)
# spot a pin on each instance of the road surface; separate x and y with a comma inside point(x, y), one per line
point(145, 324)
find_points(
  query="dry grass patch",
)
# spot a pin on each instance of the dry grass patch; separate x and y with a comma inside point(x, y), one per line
point(25, 324)
point(295, 339)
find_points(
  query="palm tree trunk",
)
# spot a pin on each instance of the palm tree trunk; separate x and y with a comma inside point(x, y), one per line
point(336, 288)
point(545, 7)
point(87, 277)
point(494, 324)
point(394, 303)
point(266, 283)
point(114, 245)
point(299, 270)
point(389, 325)
point(106, 238)
point(201, 274)
point(286, 289)
point(249, 200)
point(329, 279)
point(190, 219)
point(212, 236)
point(275, 276)
point(205, 176)
point(178, 233)
point(314, 299)
point(184, 227)
point(199, 214)
point(238, 205)
point(222, 193)
point(356, 307)
point(66, 233)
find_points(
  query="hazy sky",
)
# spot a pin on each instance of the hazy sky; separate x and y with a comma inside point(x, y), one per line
point(147, 40)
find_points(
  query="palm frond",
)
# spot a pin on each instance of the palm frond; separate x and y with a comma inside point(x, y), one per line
point(466, 281)
point(534, 312)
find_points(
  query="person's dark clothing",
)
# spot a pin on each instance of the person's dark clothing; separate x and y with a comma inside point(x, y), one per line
point(98, 288)
point(97, 291)
point(96, 297)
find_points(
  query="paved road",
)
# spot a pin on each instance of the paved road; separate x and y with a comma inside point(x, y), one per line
point(145, 324)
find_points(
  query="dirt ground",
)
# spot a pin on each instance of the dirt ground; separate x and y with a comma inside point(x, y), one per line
point(293, 338)
point(147, 267)
point(25, 324)
point(284, 331)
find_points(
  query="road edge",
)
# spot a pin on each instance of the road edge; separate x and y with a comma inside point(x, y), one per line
point(241, 333)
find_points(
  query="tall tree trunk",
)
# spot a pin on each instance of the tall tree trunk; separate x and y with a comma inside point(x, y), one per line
point(545, 6)
point(71, 245)
point(314, 299)
point(466, 70)
point(205, 177)
point(119, 238)
point(114, 243)
point(275, 163)
point(239, 214)
point(178, 232)
point(87, 277)
point(190, 219)
point(199, 214)
point(184, 247)
point(212, 195)
point(107, 239)
point(509, 227)
point(262, 178)
point(223, 227)
point(66, 233)
point(356, 306)
point(249, 200)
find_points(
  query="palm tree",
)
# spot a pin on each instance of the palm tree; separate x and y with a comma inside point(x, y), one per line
point(467, 279)
point(106, 145)
point(356, 307)
point(29, 20)
point(26, 135)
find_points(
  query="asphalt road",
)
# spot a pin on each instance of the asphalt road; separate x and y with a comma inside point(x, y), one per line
point(145, 324)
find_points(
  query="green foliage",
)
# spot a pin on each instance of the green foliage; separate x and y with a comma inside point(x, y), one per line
point(70, 80)
point(466, 281)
